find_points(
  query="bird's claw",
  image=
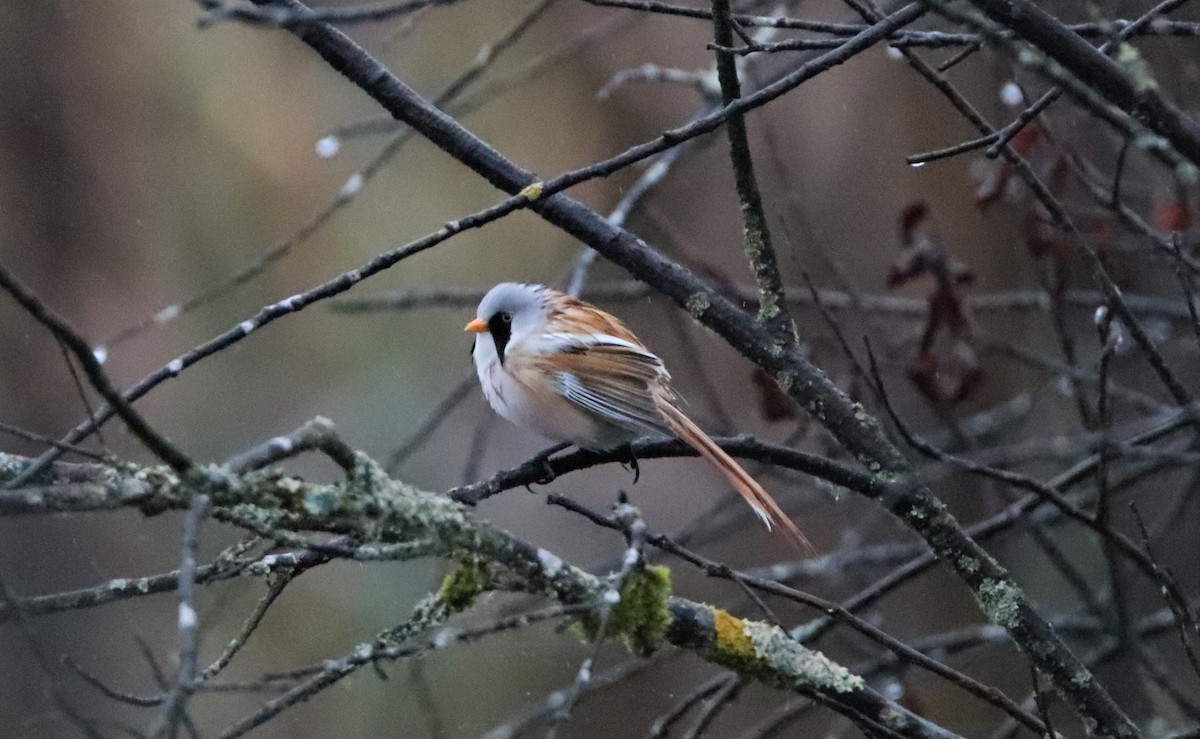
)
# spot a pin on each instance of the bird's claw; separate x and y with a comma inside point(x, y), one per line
point(548, 474)
point(542, 459)
point(631, 463)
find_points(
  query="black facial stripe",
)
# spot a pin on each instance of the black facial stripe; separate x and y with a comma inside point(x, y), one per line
point(501, 331)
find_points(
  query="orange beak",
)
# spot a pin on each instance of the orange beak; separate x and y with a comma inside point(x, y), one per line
point(476, 326)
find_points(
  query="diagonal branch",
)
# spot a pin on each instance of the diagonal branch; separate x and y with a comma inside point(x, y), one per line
point(154, 441)
point(1138, 98)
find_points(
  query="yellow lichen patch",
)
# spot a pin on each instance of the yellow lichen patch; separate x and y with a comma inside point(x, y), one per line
point(768, 653)
point(533, 190)
point(731, 634)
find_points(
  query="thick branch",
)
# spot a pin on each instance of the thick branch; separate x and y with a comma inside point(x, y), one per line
point(370, 506)
point(1139, 98)
point(750, 647)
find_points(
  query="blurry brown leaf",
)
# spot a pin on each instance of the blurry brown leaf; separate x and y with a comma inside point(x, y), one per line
point(921, 251)
point(1102, 232)
point(992, 178)
point(909, 698)
point(946, 367)
point(993, 175)
point(1026, 139)
point(945, 311)
point(915, 221)
point(1170, 215)
point(947, 376)
point(1044, 238)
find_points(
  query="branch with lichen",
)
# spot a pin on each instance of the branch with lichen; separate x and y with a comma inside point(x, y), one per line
point(756, 233)
point(768, 654)
point(377, 512)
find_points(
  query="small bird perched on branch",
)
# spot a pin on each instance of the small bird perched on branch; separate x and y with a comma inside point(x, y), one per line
point(573, 373)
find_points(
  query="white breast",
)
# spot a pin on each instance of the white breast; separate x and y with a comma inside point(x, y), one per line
point(533, 403)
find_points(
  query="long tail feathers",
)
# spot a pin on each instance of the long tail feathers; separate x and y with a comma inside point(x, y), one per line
point(759, 499)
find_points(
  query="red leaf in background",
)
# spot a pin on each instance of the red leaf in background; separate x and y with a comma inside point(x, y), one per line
point(921, 251)
point(946, 311)
point(914, 219)
point(993, 175)
point(1026, 139)
point(1102, 231)
point(947, 375)
point(1170, 216)
point(946, 367)
point(1044, 238)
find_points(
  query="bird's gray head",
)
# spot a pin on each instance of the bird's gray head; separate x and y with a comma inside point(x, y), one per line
point(510, 312)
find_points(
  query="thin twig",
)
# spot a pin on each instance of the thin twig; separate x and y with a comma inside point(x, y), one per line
point(630, 519)
point(1185, 620)
point(175, 707)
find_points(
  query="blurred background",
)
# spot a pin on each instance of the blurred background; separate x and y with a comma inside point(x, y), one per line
point(145, 160)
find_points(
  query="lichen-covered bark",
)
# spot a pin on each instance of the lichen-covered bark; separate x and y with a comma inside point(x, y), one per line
point(766, 653)
point(371, 507)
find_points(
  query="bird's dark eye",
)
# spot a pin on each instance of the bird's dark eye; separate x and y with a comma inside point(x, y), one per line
point(506, 317)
